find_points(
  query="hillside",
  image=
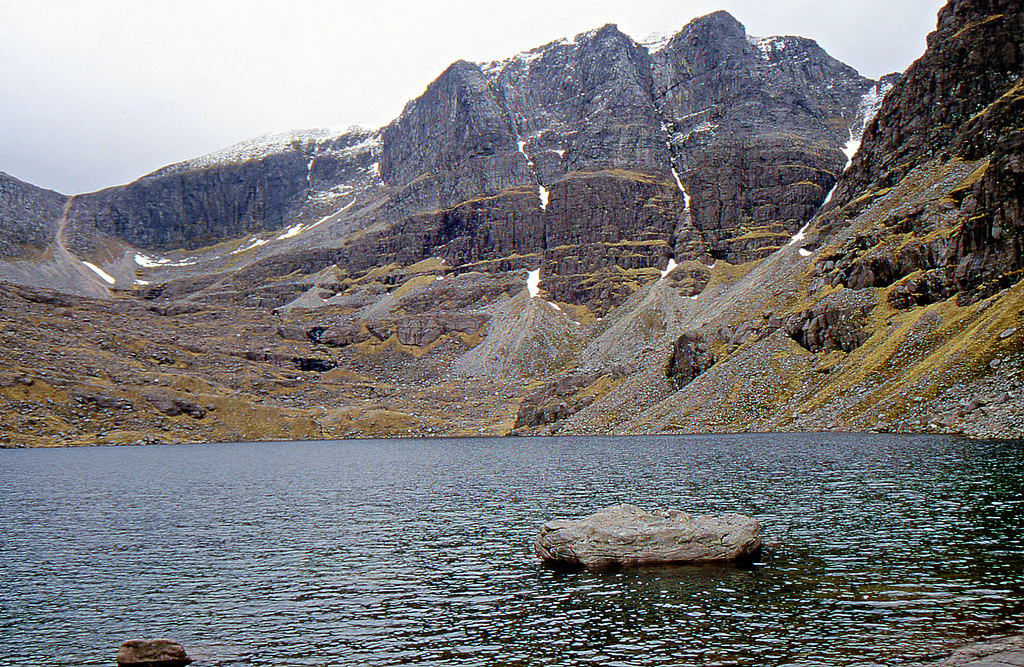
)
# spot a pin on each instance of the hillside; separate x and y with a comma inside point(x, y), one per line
point(590, 236)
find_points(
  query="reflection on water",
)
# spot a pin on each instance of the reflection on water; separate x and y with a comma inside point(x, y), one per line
point(417, 552)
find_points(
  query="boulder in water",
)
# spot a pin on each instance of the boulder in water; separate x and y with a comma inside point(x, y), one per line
point(629, 535)
point(152, 653)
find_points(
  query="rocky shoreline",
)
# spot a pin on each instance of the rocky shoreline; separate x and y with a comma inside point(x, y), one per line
point(1004, 651)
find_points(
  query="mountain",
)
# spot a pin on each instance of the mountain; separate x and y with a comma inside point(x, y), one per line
point(596, 235)
point(901, 308)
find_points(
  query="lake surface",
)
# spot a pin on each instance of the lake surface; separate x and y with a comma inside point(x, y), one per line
point(885, 548)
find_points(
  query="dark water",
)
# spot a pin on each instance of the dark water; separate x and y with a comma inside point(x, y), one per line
point(416, 552)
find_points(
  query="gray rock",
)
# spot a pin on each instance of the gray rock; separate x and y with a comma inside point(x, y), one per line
point(629, 535)
point(171, 406)
point(152, 653)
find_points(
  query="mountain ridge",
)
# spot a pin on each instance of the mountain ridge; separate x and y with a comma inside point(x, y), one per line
point(540, 236)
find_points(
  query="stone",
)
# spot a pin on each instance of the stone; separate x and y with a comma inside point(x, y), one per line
point(997, 652)
point(559, 399)
point(306, 364)
point(626, 535)
point(101, 399)
point(152, 653)
point(172, 406)
point(689, 359)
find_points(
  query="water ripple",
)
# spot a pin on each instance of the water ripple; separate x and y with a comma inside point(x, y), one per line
point(881, 548)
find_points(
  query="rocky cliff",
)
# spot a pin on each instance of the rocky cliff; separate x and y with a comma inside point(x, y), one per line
point(596, 159)
point(30, 217)
point(901, 308)
point(256, 186)
point(594, 236)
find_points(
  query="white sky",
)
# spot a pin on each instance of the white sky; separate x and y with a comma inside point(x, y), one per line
point(100, 92)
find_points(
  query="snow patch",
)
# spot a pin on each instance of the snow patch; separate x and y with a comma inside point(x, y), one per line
point(269, 144)
point(254, 243)
point(439, 278)
point(529, 57)
point(679, 184)
point(291, 232)
point(703, 126)
point(149, 262)
point(533, 282)
point(99, 272)
point(804, 252)
point(143, 282)
point(554, 305)
point(799, 236)
point(656, 41)
point(560, 151)
point(543, 193)
point(668, 269)
point(768, 46)
point(828, 197)
point(850, 149)
point(694, 297)
point(870, 102)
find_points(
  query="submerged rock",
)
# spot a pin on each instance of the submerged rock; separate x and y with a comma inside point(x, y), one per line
point(152, 653)
point(630, 535)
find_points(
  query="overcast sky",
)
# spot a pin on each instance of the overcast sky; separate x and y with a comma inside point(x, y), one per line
point(100, 92)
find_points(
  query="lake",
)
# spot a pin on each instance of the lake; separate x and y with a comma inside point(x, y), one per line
point(385, 552)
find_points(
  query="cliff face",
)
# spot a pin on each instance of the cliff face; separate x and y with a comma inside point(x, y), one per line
point(252, 187)
point(29, 218)
point(595, 159)
point(961, 101)
point(901, 308)
point(716, 146)
point(756, 126)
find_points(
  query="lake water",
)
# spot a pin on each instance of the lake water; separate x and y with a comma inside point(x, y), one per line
point(884, 548)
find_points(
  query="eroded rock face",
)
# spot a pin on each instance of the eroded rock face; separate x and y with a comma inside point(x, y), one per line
point(562, 398)
point(252, 187)
point(152, 653)
point(962, 99)
point(28, 216)
point(756, 127)
point(173, 406)
point(689, 359)
point(628, 535)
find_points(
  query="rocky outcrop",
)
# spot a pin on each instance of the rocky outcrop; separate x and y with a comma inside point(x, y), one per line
point(173, 406)
point(564, 397)
point(962, 99)
point(756, 127)
point(152, 653)
point(626, 535)
point(690, 357)
point(422, 330)
point(830, 325)
point(248, 188)
point(29, 216)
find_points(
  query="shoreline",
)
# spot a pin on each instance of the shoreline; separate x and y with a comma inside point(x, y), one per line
point(997, 651)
